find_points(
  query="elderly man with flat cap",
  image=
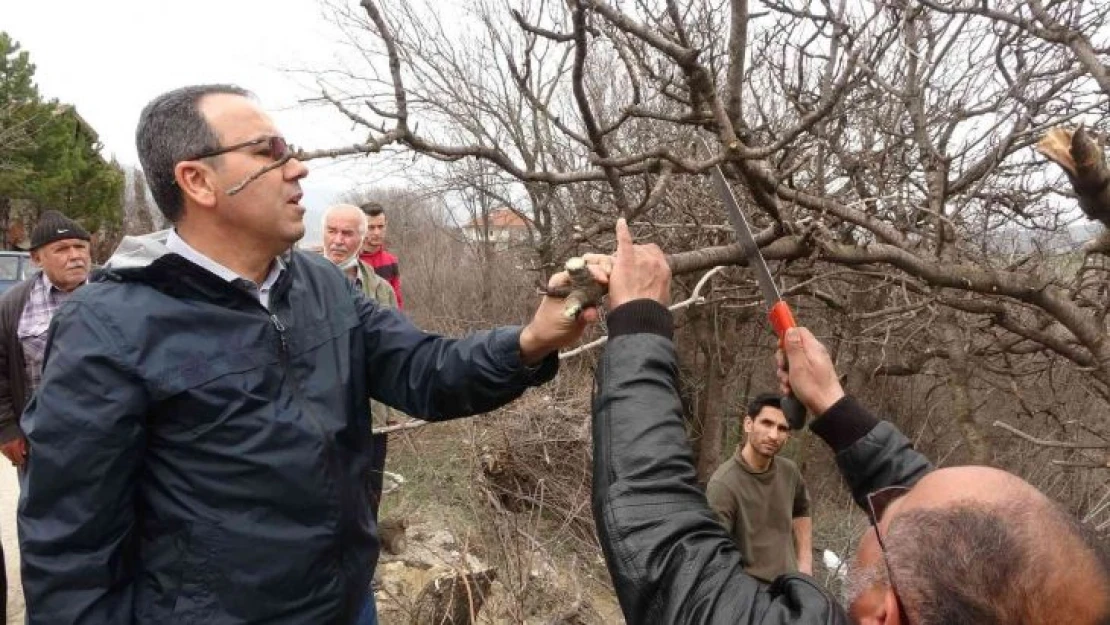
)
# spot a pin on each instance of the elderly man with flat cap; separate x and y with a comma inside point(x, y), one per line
point(60, 248)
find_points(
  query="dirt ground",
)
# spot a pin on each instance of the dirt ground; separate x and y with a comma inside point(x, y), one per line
point(9, 498)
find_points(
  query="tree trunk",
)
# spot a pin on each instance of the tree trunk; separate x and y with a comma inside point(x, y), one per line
point(5, 217)
point(959, 382)
point(710, 405)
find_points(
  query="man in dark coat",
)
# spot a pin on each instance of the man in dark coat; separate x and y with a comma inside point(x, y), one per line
point(953, 546)
point(200, 447)
point(60, 248)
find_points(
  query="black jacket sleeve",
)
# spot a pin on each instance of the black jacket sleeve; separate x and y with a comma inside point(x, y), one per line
point(9, 414)
point(439, 378)
point(12, 399)
point(670, 559)
point(871, 454)
point(86, 431)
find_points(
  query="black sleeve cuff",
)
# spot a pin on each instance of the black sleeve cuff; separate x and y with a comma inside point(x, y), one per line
point(640, 316)
point(9, 430)
point(542, 372)
point(844, 423)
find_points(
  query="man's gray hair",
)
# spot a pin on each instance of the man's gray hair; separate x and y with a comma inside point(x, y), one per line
point(989, 564)
point(363, 220)
point(172, 129)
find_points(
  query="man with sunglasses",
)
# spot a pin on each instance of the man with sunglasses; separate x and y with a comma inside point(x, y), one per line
point(200, 447)
point(953, 546)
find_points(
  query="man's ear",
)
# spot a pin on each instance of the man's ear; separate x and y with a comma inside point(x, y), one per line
point(197, 182)
point(877, 606)
point(892, 616)
point(749, 423)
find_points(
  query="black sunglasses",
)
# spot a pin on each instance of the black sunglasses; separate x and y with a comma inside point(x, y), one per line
point(278, 147)
point(877, 504)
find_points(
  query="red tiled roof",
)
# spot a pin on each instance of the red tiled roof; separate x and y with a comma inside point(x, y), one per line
point(500, 218)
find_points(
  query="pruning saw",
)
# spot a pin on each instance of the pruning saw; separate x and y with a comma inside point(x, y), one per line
point(782, 319)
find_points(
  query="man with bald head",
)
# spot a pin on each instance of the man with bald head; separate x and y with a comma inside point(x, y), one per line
point(953, 546)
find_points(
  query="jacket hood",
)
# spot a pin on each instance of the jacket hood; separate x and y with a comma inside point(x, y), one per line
point(135, 252)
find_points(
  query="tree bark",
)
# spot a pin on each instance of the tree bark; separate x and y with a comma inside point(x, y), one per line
point(959, 383)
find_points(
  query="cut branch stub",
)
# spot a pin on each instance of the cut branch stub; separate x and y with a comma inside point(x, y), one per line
point(1082, 158)
point(584, 291)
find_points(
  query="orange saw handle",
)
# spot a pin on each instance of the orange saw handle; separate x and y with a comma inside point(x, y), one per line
point(782, 320)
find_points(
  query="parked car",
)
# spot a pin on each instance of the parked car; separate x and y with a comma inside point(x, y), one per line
point(14, 268)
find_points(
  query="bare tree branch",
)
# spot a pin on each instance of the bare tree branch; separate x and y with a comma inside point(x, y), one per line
point(1041, 442)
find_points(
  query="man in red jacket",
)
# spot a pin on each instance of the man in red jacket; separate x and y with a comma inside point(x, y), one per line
point(374, 253)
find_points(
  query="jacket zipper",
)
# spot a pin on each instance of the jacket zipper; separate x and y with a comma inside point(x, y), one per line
point(280, 327)
point(329, 452)
point(286, 362)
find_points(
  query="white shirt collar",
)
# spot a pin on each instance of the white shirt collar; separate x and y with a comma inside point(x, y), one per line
point(177, 245)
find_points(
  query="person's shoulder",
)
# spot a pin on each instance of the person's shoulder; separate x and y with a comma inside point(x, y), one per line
point(316, 268)
point(369, 269)
point(113, 299)
point(322, 279)
point(311, 262)
point(786, 465)
point(126, 296)
point(725, 473)
point(119, 308)
point(19, 291)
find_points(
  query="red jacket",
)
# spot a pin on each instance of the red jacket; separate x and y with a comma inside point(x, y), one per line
point(385, 265)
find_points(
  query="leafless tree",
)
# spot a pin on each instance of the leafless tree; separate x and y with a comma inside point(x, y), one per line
point(884, 148)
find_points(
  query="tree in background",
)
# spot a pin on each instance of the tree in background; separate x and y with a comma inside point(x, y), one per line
point(49, 156)
point(884, 150)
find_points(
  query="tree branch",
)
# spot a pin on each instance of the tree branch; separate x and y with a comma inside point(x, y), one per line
point(1041, 442)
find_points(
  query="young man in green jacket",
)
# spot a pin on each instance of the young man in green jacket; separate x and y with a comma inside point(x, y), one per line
point(761, 498)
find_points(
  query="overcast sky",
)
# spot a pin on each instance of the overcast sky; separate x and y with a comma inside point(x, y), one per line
point(109, 58)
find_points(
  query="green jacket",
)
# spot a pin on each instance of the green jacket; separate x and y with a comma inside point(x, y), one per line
point(377, 289)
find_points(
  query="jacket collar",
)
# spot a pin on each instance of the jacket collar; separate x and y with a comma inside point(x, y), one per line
point(181, 278)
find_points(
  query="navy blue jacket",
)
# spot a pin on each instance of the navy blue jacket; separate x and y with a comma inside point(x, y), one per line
point(197, 458)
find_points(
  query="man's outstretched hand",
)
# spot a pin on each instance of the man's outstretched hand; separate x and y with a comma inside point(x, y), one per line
point(550, 330)
point(811, 377)
point(639, 271)
point(633, 272)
